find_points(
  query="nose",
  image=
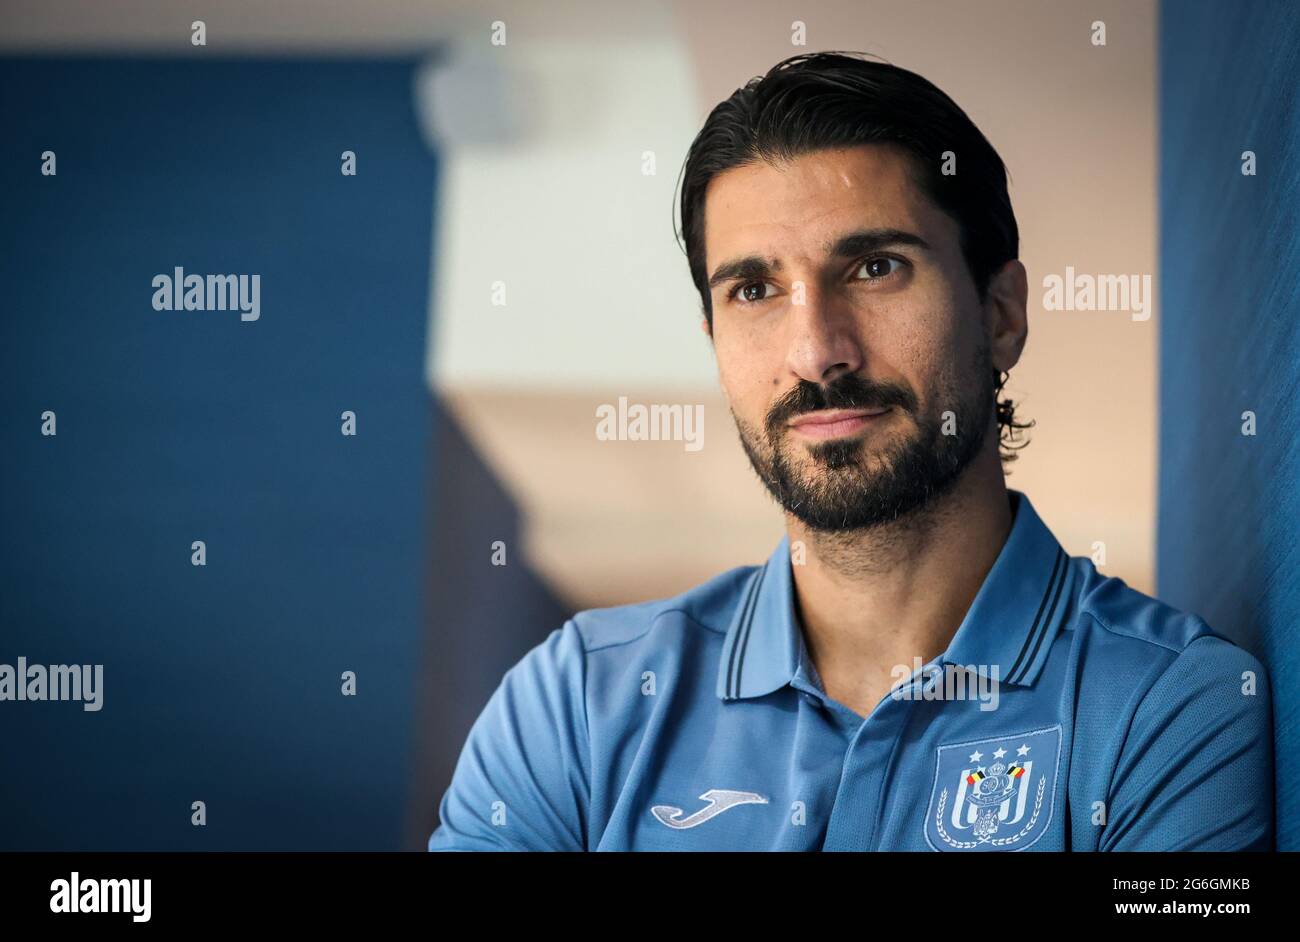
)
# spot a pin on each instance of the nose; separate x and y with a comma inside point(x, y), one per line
point(823, 344)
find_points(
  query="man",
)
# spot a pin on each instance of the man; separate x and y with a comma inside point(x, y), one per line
point(919, 665)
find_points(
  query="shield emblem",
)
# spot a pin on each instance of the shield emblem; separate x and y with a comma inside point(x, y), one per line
point(994, 794)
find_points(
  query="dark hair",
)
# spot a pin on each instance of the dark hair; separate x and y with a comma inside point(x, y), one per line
point(825, 100)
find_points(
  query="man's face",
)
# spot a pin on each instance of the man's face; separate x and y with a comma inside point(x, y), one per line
point(850, 338)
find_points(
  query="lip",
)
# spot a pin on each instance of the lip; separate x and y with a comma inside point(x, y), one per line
point(835, 423)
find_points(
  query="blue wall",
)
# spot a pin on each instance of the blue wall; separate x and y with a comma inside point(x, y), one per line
point(221, 683)
point(1229, 535)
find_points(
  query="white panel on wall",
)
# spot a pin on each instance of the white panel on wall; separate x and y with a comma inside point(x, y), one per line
point(560, 162)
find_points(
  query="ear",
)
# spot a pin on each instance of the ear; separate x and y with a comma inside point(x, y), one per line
point(1006, 314)
point(704, 326)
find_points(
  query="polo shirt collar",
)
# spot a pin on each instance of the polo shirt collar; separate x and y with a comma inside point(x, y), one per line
point(1006, 632)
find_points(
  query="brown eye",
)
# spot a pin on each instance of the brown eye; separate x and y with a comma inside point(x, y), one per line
point(753, 291)
point(879, 267)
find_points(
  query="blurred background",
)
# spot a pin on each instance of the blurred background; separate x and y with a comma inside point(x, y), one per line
point(501, 264)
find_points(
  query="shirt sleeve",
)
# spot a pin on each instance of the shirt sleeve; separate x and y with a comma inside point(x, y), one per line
point(523, 778)
point(1195, 771)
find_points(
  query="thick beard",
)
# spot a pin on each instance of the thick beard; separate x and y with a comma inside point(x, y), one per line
point(854, 490)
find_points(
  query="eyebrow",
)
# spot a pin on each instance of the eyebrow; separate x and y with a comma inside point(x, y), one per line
point(862, 242)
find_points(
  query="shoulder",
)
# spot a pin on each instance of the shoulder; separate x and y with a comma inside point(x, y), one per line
point(1165, 704)
point(707, 607)
point(626, 632)
point(1140, 660)
point(1136, 627)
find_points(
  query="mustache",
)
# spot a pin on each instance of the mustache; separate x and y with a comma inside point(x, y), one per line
point(849, 391)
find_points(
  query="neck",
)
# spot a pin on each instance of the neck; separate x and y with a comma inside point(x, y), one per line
point(872, 599)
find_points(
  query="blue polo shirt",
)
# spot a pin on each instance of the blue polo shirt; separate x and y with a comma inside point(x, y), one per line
point(1069, 712)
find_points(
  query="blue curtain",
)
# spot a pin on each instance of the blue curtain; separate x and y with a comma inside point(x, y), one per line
point(1229, 533)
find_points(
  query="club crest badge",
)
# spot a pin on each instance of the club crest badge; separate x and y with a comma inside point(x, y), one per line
point(994, 794)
